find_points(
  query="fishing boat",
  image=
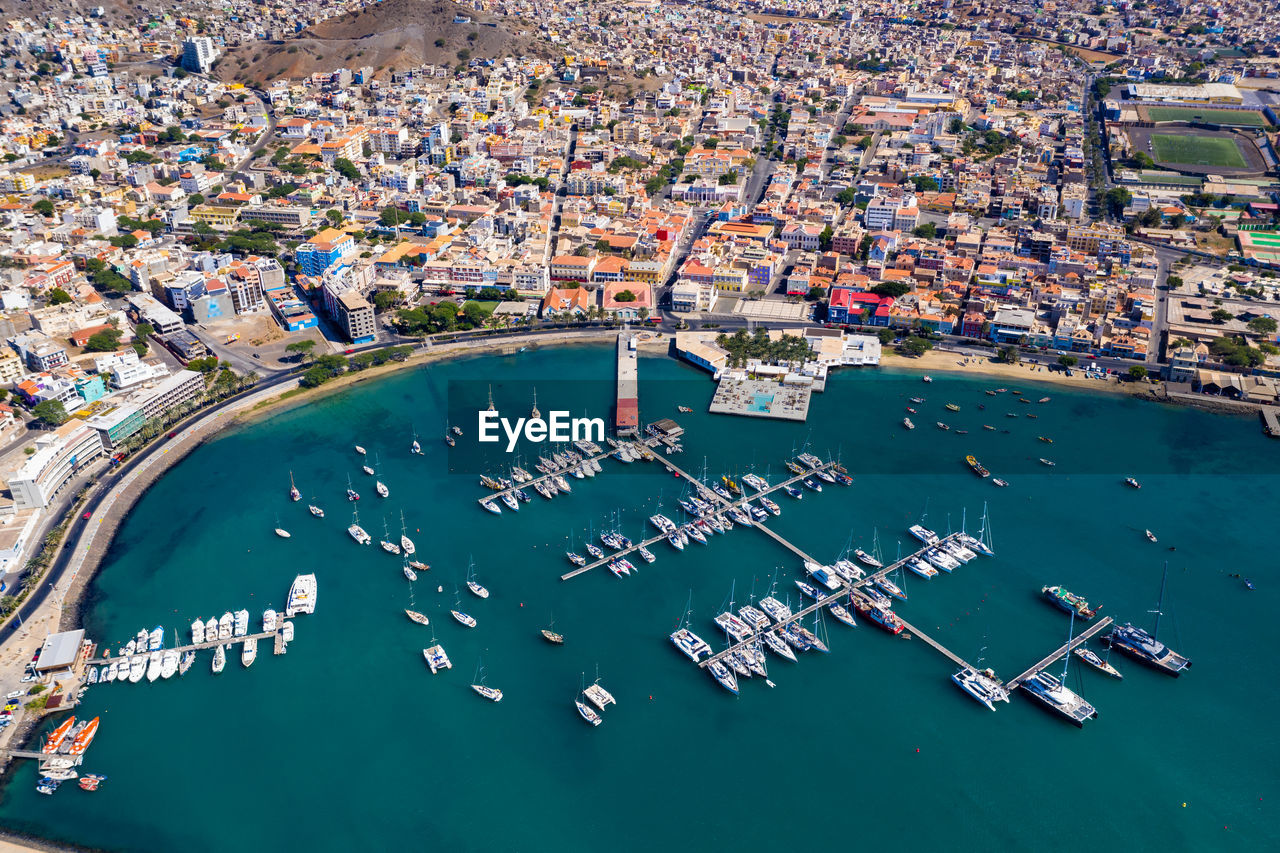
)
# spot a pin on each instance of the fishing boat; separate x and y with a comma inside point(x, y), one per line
point(436, 658)
point(951, 407)
point(53, 742)
point(1045, 439)
point(1000, 483)
point(1151, 537)
point(1049, 462)
point(1132, 483)
point(982, 685)
point(91, 781)
point(1144, 647)
point(1043, 400)
point(294, 494)
point(415, 616)
point(976, 466)
point(1090, 657)
point(1067, 601)
point(989, 426)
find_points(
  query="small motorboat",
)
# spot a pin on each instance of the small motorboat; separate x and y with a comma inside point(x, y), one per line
point(1132, 483)
point(1151, 537)
point(998, 482)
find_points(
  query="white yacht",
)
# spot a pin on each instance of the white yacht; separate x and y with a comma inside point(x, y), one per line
point(982, 686)
point(249, 652)
point(225, 625)
point(315, 510)
point(155, 661)
point(137, 668)
point(436, 659)
point(169, 663)
point(302, 596)
point(464, 618)
point(197, 631)
point(357, 532)
point(241, 623)
point(923, 533)
point(599, 696)
point(691, 644)
point(269, 620)
point(219, 659)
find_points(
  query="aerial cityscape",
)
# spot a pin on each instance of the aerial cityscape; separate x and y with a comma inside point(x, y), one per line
point(572, 401)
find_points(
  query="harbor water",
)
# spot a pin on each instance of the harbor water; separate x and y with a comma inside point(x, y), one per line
point(348, 742)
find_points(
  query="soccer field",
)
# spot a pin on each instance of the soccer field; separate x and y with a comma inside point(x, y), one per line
point(1236, 118)
point(1197, 150)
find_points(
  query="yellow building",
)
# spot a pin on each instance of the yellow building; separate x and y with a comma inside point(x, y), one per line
point(216, 216)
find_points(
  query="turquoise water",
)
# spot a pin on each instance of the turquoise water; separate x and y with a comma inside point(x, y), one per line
point(348, 741)
point(761, 403)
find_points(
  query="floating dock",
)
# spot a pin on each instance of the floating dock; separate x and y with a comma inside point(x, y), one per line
point(1079, 640)
point(196, 647)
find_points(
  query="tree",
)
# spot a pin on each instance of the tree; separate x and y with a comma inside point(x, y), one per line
point(1067, 360)
point(347, 169)
point(50, 412)
point(825, 239)
point(916, 346)
point(891, 288)
point(334, 216)
point(44, 207)
point(886, 336)
point(1263, 325)
point(1221, 315)
point(58, 296)
point(1010, 355)
point(643, 313)
point(925, 184)
point(1117, 199)
point(303, 348)
point(1137, 372)
point(927, 230)
point(107, 340)
point(384, 300)
point(847, 196)
point(625, 296)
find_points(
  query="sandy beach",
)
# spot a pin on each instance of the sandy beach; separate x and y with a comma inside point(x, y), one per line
point(936, 361)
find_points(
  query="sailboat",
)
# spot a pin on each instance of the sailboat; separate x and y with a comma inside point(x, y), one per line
point(356, 531)
point(1144, 647)
point(449, 434)
point(1103, 665)
point(549, 634)
point(294, 494)
point(352, 494)
point(982, 542)
point(406, 544)
point(458, 615)
point(584, 710)
point(472, 583)
point(490, 693)
point(414, 616)
point(415, 448)
point(280, 531)
point(386, 543)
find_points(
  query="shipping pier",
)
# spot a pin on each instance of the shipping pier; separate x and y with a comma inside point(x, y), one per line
point(724, 505)
point(1078, 640)
point(838, 597)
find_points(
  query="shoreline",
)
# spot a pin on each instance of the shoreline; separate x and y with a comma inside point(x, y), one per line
point(941, 361)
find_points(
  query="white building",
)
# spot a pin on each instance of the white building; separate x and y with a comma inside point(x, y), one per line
point(199, 54)
point(124, 369)
point(59, 456)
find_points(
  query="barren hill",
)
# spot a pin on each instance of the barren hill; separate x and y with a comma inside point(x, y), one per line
point(387, 36)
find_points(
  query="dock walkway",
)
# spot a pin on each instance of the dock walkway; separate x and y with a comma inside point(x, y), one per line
point(1062, 650)
point(837, 597)
point(191, 647)
point(725, 505)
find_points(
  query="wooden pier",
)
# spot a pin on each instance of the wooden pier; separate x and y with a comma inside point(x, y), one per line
point(724, 504)
point(934, 644)
point(1062, 650)
point(838, 597)
point(196, 647)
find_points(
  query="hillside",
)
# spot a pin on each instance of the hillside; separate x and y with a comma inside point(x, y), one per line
point(392, 35)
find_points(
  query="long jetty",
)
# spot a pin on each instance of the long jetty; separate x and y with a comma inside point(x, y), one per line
point(497, 494)
point(724, 504)
point(195, 647)
point(837, 597)
point(1080, 640)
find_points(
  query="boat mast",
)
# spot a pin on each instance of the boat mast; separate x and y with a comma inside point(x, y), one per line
point(1160, 602)
point(1066, 658)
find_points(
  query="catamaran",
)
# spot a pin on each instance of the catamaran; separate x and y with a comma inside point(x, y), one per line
point(302, 596)
point(982, 685)
point(436, 658)
point(1144, 647)
point(1055, 696)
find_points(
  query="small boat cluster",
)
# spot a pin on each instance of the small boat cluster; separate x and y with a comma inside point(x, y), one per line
point(554, 473)
point(842, 589)
point(62, 752)
point(145, 655)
